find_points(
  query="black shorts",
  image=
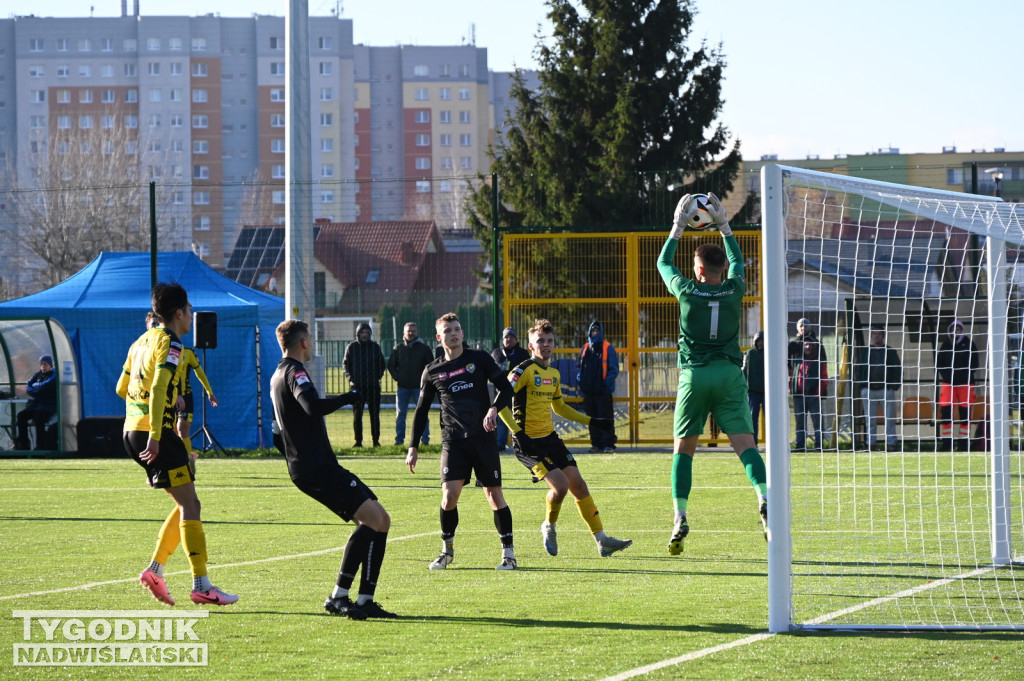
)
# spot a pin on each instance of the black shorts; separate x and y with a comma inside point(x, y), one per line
point(172, 467)
point(460, 458)
point(549, 453)
point(338, 489)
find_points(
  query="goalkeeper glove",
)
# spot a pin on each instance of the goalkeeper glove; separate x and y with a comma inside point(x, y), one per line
point(684, 211)
point(598, 423)
point(718, 215)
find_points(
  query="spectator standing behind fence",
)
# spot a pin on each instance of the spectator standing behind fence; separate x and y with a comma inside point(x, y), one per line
point(42, 404)
point(753, 371)
point(809, 384)
point(364, 367)
point(878, 375)
point(955, 362)
point(508, 356)
point(596, 371)
point(406, 364)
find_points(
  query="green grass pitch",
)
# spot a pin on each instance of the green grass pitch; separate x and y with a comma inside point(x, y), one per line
point(67, 524)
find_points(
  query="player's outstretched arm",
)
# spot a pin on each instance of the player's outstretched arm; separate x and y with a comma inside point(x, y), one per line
point(410, 459)
point(732, 247)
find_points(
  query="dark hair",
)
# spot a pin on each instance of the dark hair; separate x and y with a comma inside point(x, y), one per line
point(290, 331)
point(712, 256)
point(168, 299)
point(153, 319)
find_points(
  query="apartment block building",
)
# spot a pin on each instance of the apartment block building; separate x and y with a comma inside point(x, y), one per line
point(197, 106)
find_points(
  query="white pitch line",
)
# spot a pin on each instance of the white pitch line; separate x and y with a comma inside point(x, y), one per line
point(640, 671)
point(217, 566)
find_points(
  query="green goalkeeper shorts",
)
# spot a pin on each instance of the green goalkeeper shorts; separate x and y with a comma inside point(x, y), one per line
point(717, 388)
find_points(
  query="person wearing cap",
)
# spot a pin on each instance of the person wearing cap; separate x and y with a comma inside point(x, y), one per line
point(805, 332)
point(877, 375)
point(596, 371)
point(42, 404)
point(753, 371)
point(406, 364)
point(956, 360)
point(508, 356)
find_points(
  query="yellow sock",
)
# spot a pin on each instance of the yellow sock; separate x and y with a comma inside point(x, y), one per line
point(194, 540)
point(554, 508)
point(588, 509)
point(169, 537)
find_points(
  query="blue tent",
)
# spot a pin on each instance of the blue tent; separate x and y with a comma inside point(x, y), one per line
point(103, 308)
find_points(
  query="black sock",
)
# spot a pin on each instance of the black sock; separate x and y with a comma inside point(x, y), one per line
point(503, 523)
point(355, 552)
point(373, 559)
point(449, 521)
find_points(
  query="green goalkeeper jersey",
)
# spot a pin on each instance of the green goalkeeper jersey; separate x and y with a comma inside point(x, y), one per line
point(709, 314)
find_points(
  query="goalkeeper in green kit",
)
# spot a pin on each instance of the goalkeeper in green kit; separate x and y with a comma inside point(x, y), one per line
point(710, 380)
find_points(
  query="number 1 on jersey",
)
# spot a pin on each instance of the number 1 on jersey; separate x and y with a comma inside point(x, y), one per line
point(713, 329)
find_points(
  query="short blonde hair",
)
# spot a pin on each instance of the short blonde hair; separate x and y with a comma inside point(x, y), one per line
point(540, 326)
point(445, 318)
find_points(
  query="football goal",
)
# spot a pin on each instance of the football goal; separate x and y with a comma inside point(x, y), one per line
point(901, 506)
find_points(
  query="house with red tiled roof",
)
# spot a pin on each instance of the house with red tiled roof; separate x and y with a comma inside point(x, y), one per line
point(361, 266)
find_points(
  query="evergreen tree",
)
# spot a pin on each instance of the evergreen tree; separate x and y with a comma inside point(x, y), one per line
point(621, 99)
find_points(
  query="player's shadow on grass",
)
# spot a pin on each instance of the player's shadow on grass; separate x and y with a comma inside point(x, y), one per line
point(48, 519)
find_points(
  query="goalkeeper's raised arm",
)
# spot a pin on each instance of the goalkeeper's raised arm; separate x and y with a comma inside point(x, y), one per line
point(685, 211)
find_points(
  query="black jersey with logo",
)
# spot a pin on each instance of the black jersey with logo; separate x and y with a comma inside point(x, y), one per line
point(299, 411)
point(462, 385)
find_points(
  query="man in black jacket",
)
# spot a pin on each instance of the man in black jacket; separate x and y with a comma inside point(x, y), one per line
point(406, 365)
point(364, 367)
point(508, 356)
point(42, 403)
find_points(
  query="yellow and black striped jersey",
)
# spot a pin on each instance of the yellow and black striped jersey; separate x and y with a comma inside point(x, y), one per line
point(147, 384)
point(536, 392)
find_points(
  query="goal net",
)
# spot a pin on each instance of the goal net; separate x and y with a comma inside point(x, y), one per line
point(896, 478)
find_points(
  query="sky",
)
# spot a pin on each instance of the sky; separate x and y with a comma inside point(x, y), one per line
point(803, 77)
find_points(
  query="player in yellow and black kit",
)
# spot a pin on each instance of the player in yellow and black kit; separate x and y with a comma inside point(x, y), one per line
point(147, 386)
point(536, 393)
point(189, 362)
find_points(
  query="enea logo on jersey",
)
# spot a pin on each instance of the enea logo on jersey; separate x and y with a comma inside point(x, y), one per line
point(459, 385)
point(301, 377)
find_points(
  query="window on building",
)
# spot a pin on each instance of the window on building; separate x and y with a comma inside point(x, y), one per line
point(153, 68)
point(324, 42)
point(85, 122)
point(131, 70)
point(152, 44)
point(36, 71)
point(446, 93)
point(277, 196)
point(422, 140)
point(464, 117)
point(175, 44)
point(446, 140)
point(198, 44)
point(327, 170)
point(177, 120)
point(37, 122)
point(200, 95)
point(955, 176)
point(131, 121)
point(422, 93)
point(155, 95)
point(465, 140)
point(277, 120)
point(63, 96)
point(63, 122)
point(277, 68)
point(420, 70)
point(62, 44)
point(107, 122)
point(326, 68)
point(326, 196)
point(36, 45)
point(177, 94)
point(107, 96)
point(154, 120)
point(326, 94)
point(201, 223)
point(277, 94)
point(201, 198)
point(175, 68)
point(327, 144)
point(276, 42)
point(422, 163)
point(326, 119)
point(84, 71)
point(277, 171)
point(463, 93)
point(422, 186)
point(466, 162)
point(84, 45)
point(200, 121)
point(445, 116)
point(422, 117)
point(130, 45)
point(200, 70)
point(445, 70)
point(107, 71)
point(446, 163)
point(200, 147)
point(277, 146)
point(200, 172)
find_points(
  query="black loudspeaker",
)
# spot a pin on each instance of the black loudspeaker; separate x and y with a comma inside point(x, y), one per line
point(204, 330)
point(101, 436)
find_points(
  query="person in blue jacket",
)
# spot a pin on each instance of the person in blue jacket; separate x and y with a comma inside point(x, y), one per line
point(42, 403)
point(596, 370)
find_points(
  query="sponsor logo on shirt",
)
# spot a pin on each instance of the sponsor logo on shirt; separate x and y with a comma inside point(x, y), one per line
point(301, 377)
point(457, 372)
point(459, 385)
point(443, 375)
point(537, 381)
point(470, 368)
point(174, 354)
point(515, 377)
point(548, 381)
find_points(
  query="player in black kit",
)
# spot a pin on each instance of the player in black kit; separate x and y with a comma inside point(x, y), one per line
point(468, 421)
point(299, 411)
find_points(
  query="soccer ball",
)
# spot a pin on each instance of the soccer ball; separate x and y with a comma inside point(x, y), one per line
point(701, 220)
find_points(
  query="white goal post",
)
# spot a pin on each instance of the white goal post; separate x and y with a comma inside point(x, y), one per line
point(920, 524)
